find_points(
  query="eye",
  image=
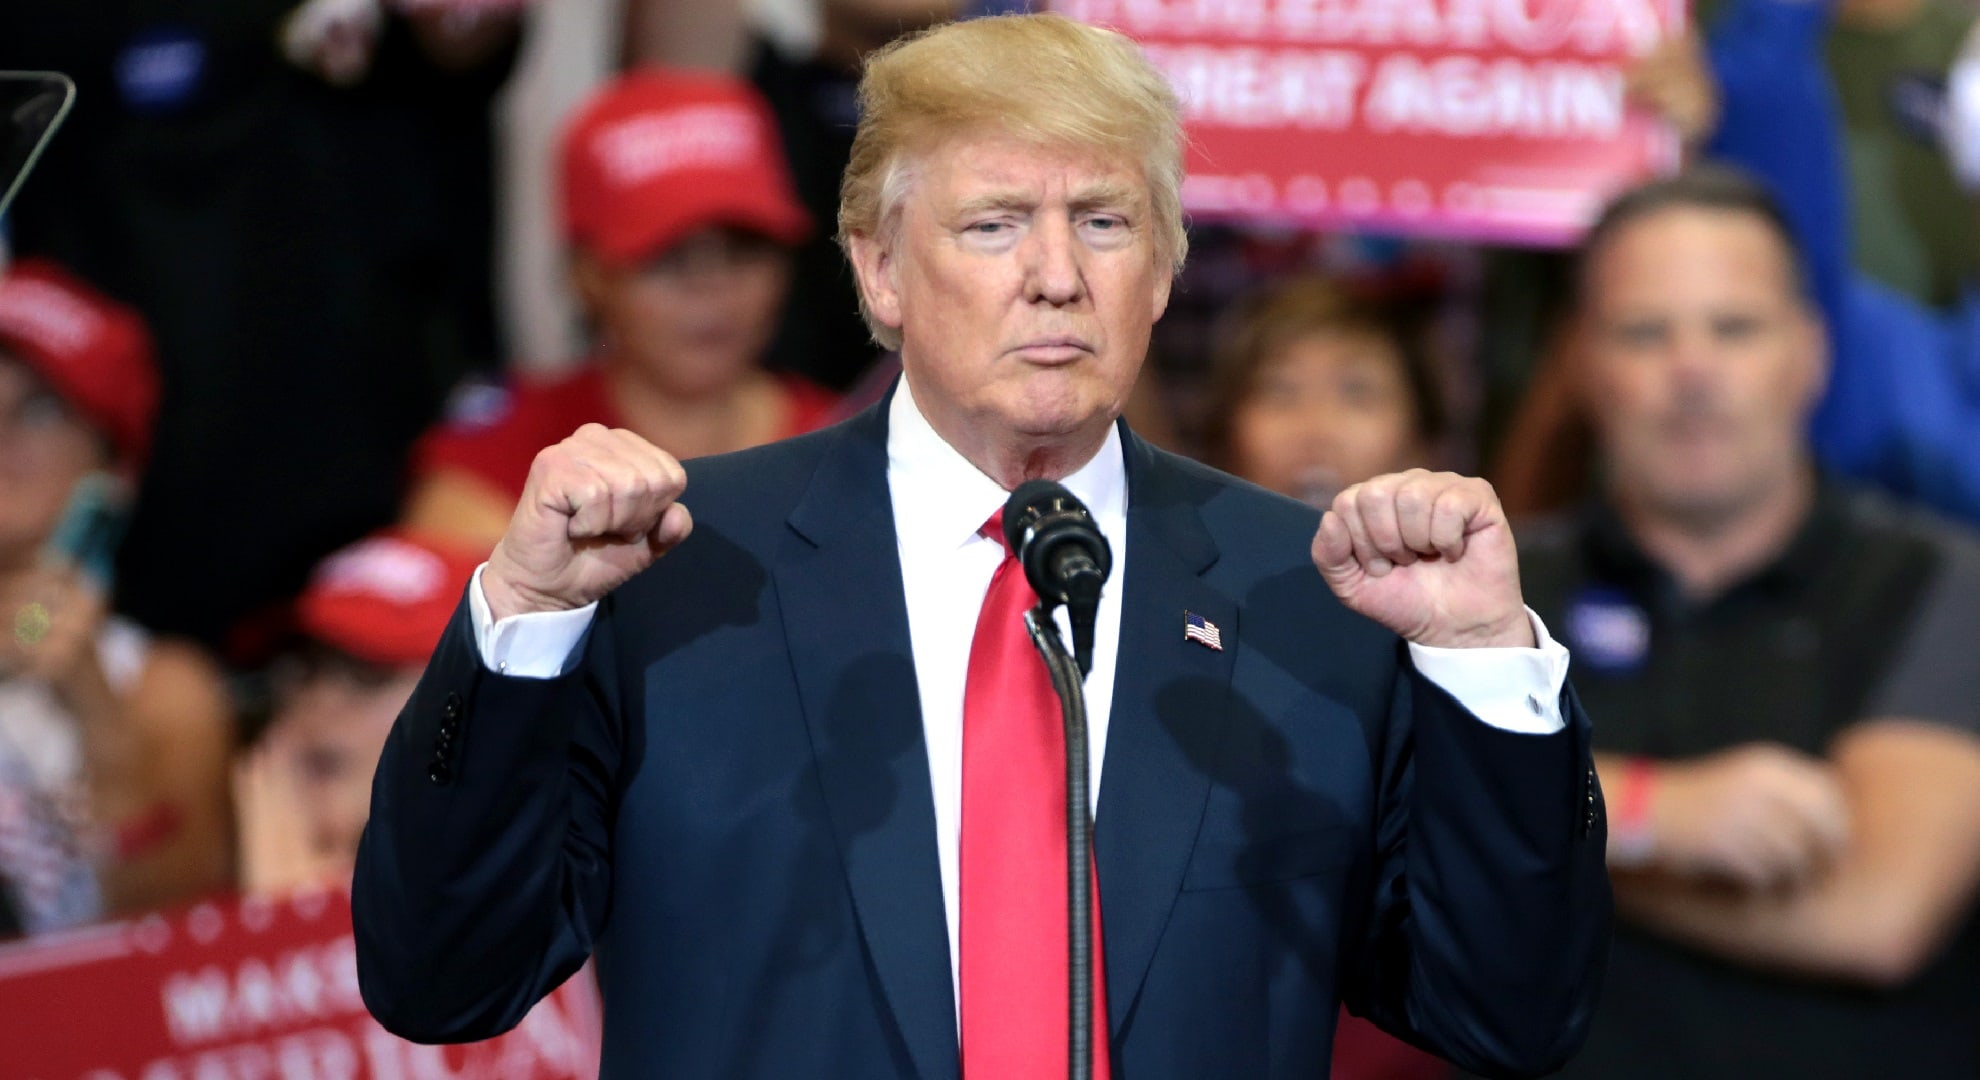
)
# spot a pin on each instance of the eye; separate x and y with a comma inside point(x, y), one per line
point(41, 409)
point(988, 228)
point(1362, 389)
point(1639, 334)
point(1735, 328)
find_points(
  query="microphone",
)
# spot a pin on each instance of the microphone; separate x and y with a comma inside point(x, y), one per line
point(1064, 555)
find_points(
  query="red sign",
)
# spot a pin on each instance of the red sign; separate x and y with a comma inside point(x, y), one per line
point(1495, 120)
point(255, 989)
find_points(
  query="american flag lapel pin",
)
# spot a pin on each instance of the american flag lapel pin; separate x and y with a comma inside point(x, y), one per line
point(1202, 631)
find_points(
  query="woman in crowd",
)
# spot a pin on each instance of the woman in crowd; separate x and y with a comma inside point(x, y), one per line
point(1312, 390)
point(113, 745)
point(680, 222)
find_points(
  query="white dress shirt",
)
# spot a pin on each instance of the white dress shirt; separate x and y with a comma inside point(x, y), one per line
point(941, 501)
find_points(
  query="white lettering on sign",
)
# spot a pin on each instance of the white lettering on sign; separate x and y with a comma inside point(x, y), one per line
point(1259, 88)
point(547, 1045)
point(1593, 27)
point(1461, 96)
point(215, 1004)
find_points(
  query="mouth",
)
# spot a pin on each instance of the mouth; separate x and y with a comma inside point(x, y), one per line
point(1053, 350)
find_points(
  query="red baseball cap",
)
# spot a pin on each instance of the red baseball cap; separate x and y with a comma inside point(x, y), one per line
point(387, 598)
point(657, 154)
point(94, 352)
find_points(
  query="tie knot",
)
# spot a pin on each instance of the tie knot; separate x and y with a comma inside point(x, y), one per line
point(994, 530)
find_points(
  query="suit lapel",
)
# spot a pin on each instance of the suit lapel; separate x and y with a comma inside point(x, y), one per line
point(845, 622)
point(1169, 696)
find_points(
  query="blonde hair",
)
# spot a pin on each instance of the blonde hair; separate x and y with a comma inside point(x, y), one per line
point(1043, 78)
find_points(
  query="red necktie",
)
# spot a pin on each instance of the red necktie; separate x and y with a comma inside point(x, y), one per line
point(1014, 965)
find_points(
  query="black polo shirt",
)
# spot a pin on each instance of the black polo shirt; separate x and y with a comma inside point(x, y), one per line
point(1871, 612)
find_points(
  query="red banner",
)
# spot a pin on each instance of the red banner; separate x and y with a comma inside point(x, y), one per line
point(1498, 120)
point(255, 989)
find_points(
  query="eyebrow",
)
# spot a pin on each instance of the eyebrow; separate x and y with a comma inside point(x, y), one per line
point(1093, 197)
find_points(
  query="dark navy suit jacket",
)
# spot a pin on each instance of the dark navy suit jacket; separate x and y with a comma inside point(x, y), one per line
point(728, 801)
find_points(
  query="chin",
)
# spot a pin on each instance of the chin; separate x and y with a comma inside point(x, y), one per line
point(1057, 409)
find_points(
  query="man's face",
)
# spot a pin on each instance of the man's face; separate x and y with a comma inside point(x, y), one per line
point(1024, 280)
point(1701, 361)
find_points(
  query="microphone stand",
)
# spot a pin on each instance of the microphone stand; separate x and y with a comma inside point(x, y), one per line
point(1069, 682)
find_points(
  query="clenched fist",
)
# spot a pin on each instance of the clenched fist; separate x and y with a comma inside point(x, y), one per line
point(597, 509)
point(1427, 555)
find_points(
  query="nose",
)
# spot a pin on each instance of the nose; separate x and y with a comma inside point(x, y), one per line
point(1693, 358)
point(1053, 274)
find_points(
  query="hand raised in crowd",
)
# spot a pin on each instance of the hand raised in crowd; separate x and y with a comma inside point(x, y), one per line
point(1427, 555)
point(597, 509)
point(1674, 80)
point(1758, 815)
point(53, 615)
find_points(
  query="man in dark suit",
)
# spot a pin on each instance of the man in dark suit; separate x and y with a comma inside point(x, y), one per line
point(795, 782)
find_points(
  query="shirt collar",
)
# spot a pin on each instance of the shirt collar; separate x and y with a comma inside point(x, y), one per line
point(951, 498)
point(1796, 568)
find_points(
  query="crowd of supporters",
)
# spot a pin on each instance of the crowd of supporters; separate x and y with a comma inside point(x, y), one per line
point(279, 342)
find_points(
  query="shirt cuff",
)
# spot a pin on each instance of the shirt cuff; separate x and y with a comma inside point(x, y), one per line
point(533, 645)
point(1517, 690)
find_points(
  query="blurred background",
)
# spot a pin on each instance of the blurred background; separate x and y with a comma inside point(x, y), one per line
point(299, 289)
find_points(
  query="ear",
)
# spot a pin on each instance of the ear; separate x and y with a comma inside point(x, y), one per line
point(589, 280)
point(874, 266)
point(1165, 279)
point(1571, 357)
point(1814, 333)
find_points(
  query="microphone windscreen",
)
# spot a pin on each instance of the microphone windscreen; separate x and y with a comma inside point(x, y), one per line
point(1032, 500)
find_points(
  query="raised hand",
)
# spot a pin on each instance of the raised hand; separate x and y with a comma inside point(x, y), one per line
point(597, 509)
point(1428, 555)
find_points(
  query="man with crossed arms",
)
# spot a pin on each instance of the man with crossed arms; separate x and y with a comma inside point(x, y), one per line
point(799, 784)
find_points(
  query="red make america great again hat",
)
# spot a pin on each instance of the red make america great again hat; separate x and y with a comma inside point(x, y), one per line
point(92, 351)
point(657, 154)
point(386, 599)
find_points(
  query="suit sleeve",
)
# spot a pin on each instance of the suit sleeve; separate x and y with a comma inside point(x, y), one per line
point(484, 872)
point(1486, 937)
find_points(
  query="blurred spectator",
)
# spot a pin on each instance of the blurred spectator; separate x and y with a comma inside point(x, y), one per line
point(814, 99)
point(112, 743)
point(1314, 390)
point(1790, 735)
point(1891, 60)
point(1903, 389)
point(303, 216)
point(367, 623)
point(680, 220)
point(1756, 96)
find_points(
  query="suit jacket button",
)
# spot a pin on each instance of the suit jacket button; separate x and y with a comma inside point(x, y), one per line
point(451, 726)
point(440, 773)
point(452, 710)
